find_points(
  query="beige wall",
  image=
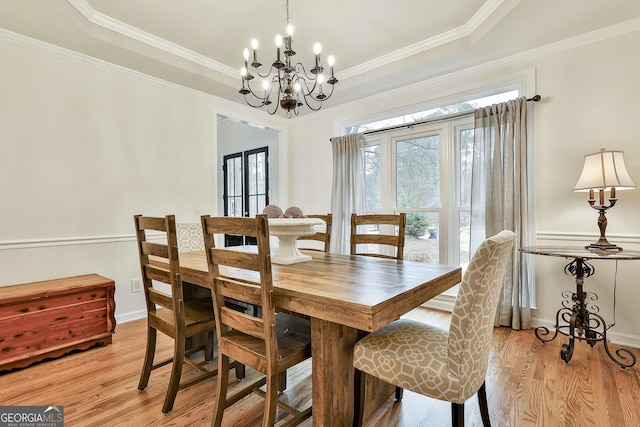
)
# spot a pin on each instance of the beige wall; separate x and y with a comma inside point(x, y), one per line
point(85, 148)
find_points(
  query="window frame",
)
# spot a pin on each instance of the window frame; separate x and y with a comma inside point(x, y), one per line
point(449, 207)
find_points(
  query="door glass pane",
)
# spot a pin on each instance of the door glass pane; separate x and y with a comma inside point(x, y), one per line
point(253, 207)
point(372, 177)
point(422, 239)
point(252, 173)
point(237, 188)
point(233, 185)
point(256, 181)
point(418, 172)
point(261, 172)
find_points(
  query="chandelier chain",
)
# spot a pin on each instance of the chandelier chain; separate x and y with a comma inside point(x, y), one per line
point(287, 6)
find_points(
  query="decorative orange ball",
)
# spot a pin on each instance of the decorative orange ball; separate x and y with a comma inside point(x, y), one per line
point(294, 212)
point(272, 211)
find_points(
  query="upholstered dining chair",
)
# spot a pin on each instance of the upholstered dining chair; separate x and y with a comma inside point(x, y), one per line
point(268, 342)
point(319, 236)
point(379, 240)
point(446, 365)
point(189, 236)
point(167, 310)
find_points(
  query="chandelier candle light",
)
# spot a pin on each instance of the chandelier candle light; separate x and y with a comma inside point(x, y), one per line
point(603, 171)
point(288, 79)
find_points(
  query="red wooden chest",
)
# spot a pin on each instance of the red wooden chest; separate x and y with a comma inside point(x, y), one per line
point(51, 318)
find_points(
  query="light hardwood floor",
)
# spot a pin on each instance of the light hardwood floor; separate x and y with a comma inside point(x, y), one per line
point(527, 385)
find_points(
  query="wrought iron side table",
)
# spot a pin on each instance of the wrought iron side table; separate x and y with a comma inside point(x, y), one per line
point(579, 314)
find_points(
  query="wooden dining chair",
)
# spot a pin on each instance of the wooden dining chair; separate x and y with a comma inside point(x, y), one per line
point(379, 239)
point(268, 342)
point(319, 236)
point(446, 365)
point(167, 310)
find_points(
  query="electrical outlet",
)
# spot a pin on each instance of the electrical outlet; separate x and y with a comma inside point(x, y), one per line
point(136, 285)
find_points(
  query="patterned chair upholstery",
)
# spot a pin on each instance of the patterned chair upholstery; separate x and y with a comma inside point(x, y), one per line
point(447, 365)
point(189, 236)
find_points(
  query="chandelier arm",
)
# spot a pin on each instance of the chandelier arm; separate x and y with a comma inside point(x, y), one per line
point(252, 105)
point(304, 82)
point(255, 95)
point(264, 76)
point(330, 93)
point(260, 105)
point(311, 107)
point(304, 71)
point(319, 101)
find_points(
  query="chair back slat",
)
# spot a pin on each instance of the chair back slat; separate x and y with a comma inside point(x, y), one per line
point(160, 298)
point(235, 259)
point(379, 239)
point(246, 323)
point(231, 225)
point(387, 219)
point(157, 273)
point(248, 292)
point(155, 249)
point(320, 236)
point(391, 240)
point(152, 223)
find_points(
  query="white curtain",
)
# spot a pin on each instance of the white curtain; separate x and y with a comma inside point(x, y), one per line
point(500, 198)
point(347, 194)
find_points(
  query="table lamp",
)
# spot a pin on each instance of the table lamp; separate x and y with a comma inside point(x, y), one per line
point(604, 171)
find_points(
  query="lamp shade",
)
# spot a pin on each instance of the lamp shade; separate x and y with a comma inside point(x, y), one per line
point(604, 170)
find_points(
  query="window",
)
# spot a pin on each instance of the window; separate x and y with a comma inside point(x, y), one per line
point(425, 171)
point(426, 174)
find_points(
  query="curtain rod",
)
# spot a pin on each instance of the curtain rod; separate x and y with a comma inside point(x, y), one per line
point(535, 98)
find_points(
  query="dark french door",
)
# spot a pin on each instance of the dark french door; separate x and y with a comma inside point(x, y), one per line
point(246, 187)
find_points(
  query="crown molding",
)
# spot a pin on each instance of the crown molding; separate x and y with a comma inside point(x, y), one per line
point(447, 37)
point(149, 39)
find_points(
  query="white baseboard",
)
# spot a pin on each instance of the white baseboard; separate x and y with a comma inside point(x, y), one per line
point(441, 302)
point(128, 317)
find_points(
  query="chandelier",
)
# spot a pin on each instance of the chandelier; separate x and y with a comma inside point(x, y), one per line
point(287, 82)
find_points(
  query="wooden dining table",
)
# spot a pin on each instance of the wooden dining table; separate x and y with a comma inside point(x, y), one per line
point(345, 296)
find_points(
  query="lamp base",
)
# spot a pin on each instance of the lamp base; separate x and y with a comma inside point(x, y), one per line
point(603, 247)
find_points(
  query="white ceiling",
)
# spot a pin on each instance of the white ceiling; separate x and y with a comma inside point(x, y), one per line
point(378, 44)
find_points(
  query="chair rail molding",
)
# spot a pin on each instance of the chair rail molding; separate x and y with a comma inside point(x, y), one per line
point(586, 237)
point(71, 241)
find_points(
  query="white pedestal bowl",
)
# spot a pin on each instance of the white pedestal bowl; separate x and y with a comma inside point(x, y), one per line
point(287, 231)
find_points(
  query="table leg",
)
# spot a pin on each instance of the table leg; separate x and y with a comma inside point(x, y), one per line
point(332, 377)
